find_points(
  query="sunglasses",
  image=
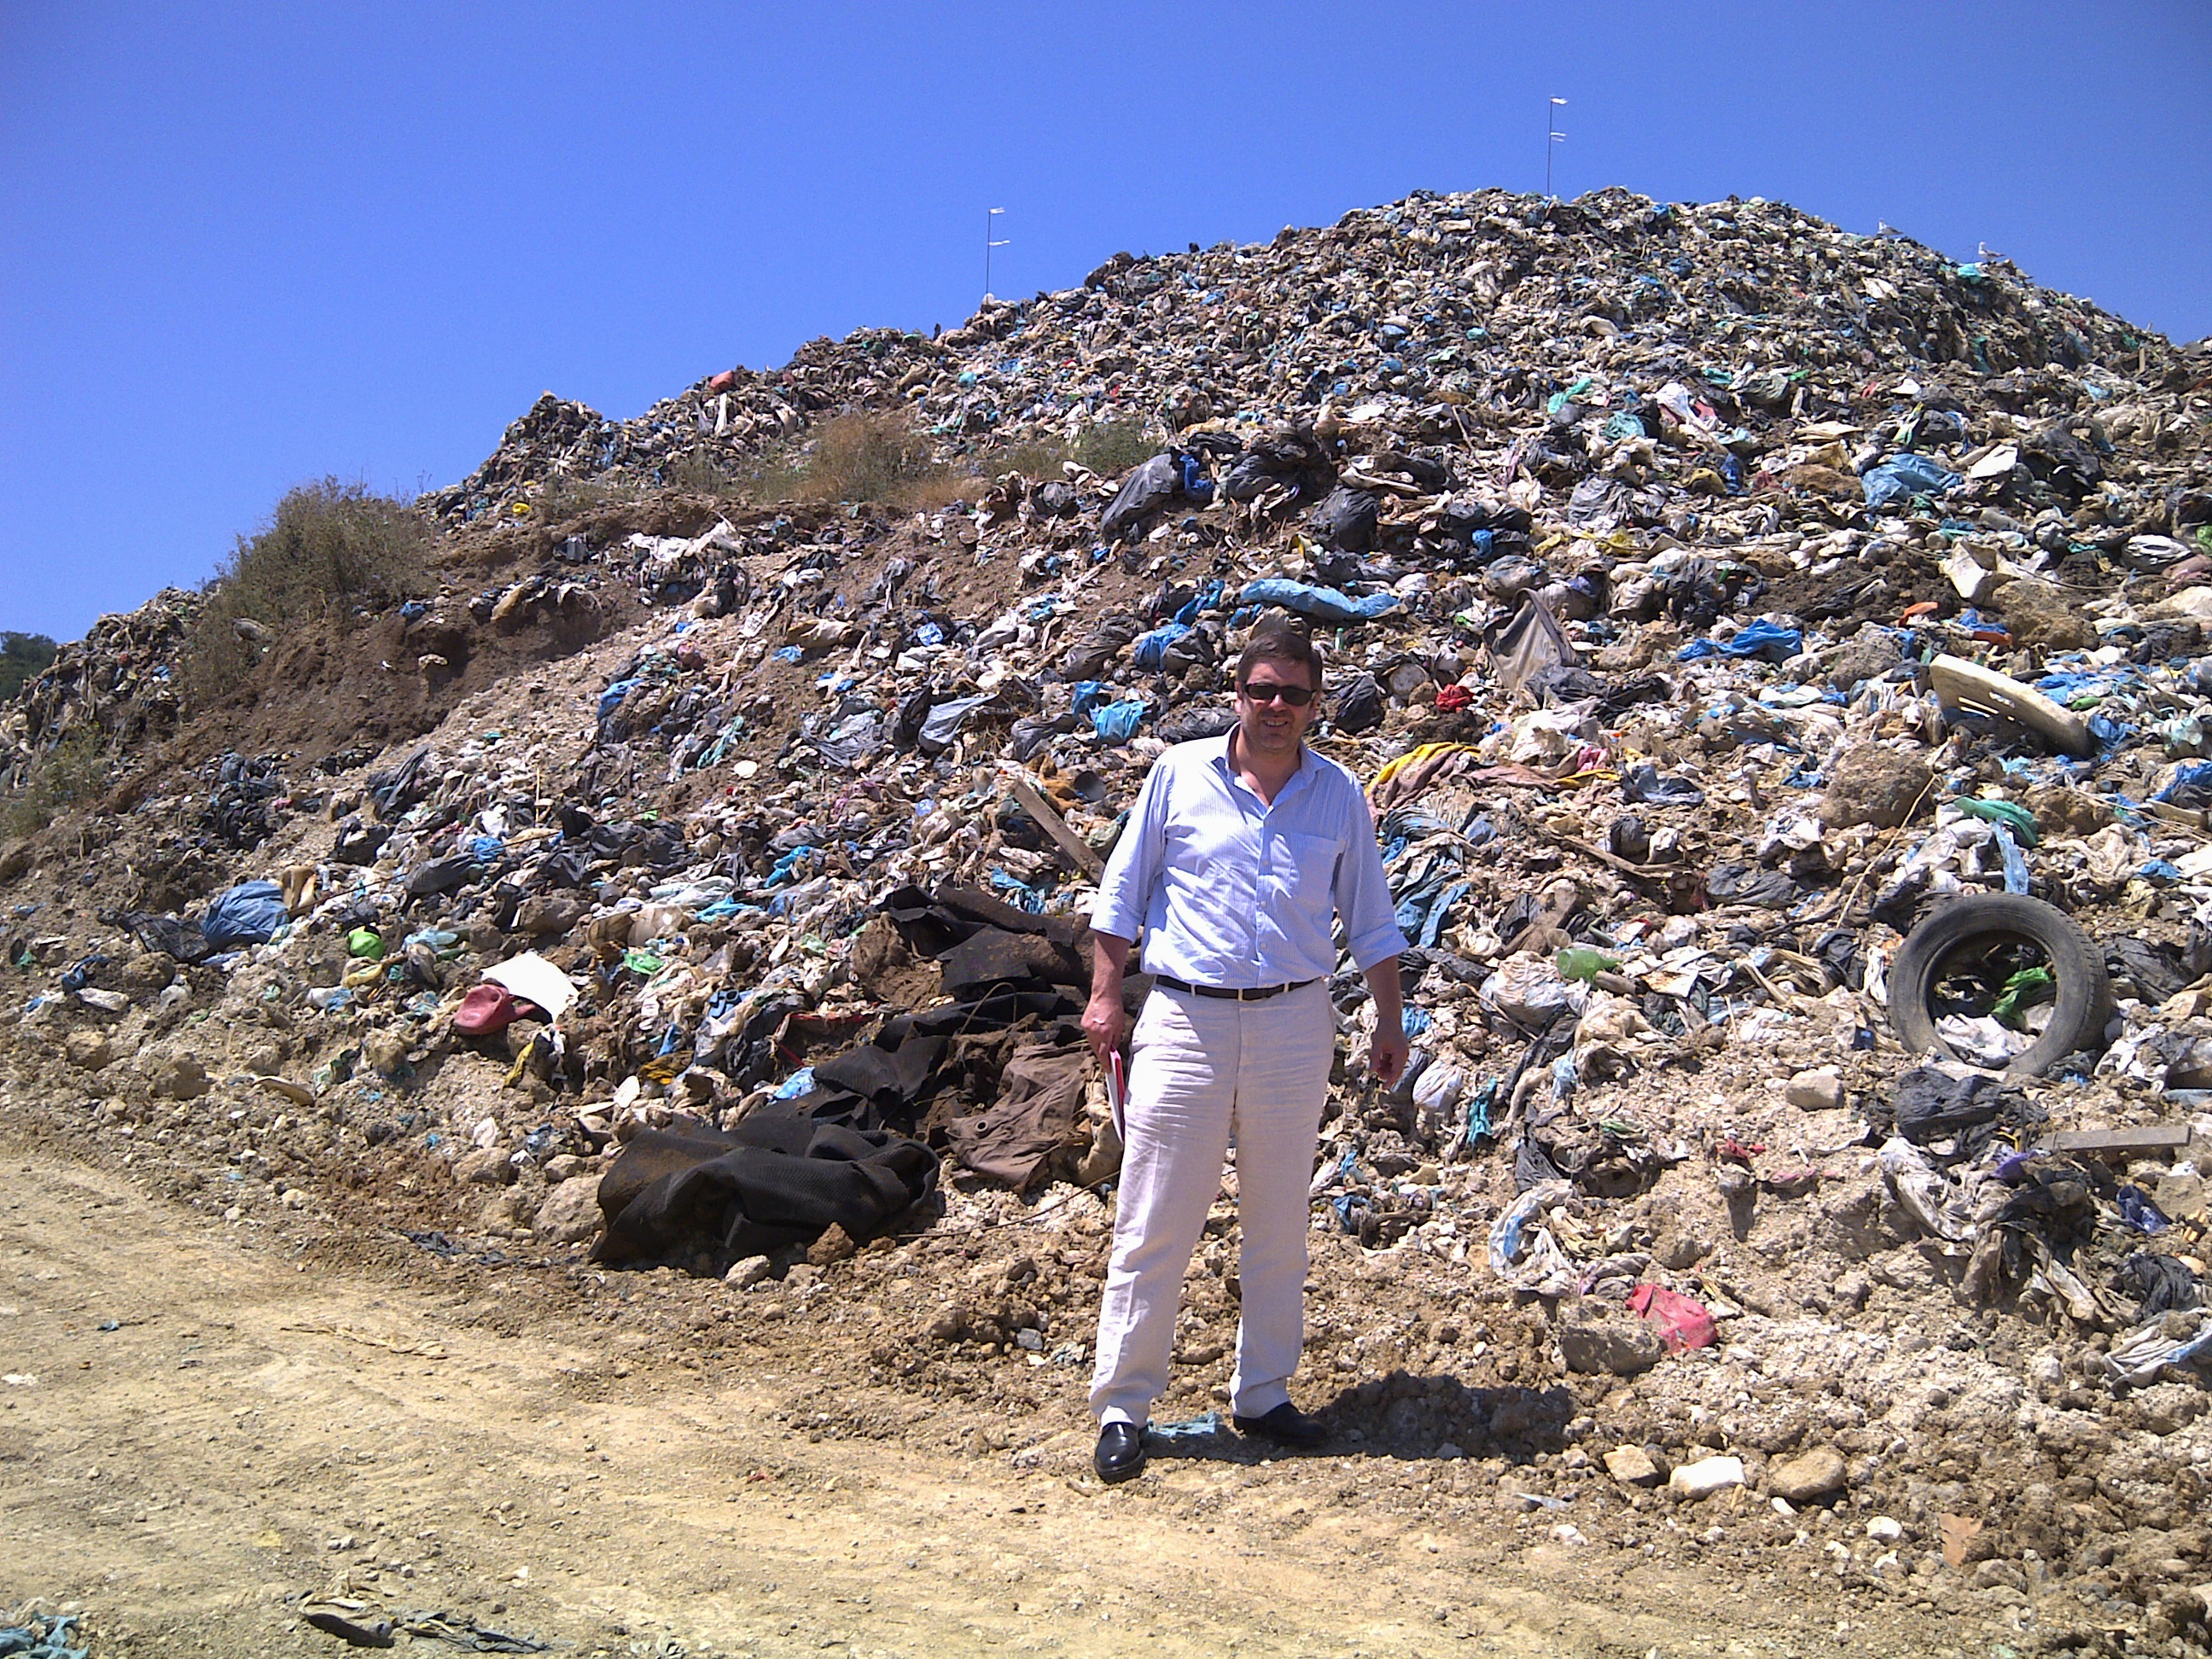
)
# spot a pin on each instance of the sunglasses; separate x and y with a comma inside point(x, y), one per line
point(1297, 696)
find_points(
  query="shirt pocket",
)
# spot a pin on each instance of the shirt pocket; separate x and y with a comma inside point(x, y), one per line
point(1302, 871)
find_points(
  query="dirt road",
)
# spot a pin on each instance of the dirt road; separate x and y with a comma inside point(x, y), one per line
point(203, 1424)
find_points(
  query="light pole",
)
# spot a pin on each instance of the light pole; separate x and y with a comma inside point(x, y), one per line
point(988, 245)
point(1552, 135)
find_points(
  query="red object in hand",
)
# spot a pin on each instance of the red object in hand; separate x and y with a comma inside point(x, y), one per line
point(1683, 1323)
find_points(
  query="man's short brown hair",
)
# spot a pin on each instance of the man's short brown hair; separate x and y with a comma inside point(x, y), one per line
point(1277, 639)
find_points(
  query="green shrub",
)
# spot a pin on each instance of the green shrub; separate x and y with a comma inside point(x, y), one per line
point(328, 545)
point(700, 473)
point(70, 772)
point(867, 456)
point(23, 658)
point(1110, 447)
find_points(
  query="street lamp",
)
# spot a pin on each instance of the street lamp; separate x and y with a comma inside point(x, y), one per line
point(988, 244)
point(1552, 135)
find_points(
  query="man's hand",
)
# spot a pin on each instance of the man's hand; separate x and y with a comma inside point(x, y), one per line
point(1103, 1020)
point(1386, 1054)
point(1387, 1051)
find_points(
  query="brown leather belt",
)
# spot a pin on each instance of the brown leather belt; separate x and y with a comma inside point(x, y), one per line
point(1258, 993)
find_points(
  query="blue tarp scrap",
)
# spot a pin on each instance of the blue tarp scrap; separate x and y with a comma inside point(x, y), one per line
point(1324, 605)
point(2016, 862)
point(1018, 891)
point(2109, 732)
point(787, 867)
point(1761, 639)
point(1207, 597)
point(41, 1638)
point(1479, 1108)
point(249, 913)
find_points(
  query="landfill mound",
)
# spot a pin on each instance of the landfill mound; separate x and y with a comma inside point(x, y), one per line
point(1711, 599)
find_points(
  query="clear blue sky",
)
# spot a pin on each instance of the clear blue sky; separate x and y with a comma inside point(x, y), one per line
point(247, 244)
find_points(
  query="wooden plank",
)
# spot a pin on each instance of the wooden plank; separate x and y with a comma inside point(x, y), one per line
point(1086, 860)
point(2149, 1138)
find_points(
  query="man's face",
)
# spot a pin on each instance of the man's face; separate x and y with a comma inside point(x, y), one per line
point(1268, 723)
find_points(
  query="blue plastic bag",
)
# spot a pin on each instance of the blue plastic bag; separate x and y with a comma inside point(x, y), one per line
point(1196, 483)
point(2191, 786)
point(1117, 722)
point(1324, 605)
point(611, 699)
point(249, 913)
point(1907, 475)
point(1150, 650)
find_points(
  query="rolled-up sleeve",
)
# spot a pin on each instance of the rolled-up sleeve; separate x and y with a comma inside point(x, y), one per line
point(1363, 892)
point(1124, 892)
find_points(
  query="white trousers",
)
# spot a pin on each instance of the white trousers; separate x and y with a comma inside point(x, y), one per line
point(1201, 1067)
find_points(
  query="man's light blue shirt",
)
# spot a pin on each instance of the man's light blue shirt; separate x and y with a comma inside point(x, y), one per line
point(1227, 890)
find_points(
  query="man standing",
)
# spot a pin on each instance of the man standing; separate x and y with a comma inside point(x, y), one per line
point(1238, 855)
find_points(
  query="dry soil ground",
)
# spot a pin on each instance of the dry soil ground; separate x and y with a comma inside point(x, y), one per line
point(201, 1425)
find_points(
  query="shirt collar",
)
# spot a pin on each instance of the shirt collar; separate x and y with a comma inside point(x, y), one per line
point(1217, 752)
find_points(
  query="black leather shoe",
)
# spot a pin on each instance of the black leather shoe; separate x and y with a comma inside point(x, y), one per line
point(1286, 1425)
point(1120, 1454)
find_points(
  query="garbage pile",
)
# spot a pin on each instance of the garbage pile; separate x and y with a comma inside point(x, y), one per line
point(1777, 662)
point(117, 686)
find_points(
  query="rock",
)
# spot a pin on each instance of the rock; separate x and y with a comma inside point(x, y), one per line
point(548, 913)
point(181, 1077)
point(1594, 1338)
point(1706, 1476)
point(488, 1166)
point(88, 1051)
point(385, 1049)
point(1684, 1251)
point(1998, 1574)
point(506, 1212)
point(1818, 1091)
point(145, 974)
point(835, 1245)
point(748, 1272)
point(1867, 655)
point(563, 1166)
point(1877, 785)
point(2181, 1196)
point(1809, 1475)
point(570, 1213)
point(2062, 812)
point(1631, 1466)
point(1885, 1529)
point(2041, 616)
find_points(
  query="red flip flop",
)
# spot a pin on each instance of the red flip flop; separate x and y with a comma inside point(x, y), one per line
point(490, 1008)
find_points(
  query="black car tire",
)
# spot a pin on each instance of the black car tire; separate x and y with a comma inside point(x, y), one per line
point(1977, 923)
